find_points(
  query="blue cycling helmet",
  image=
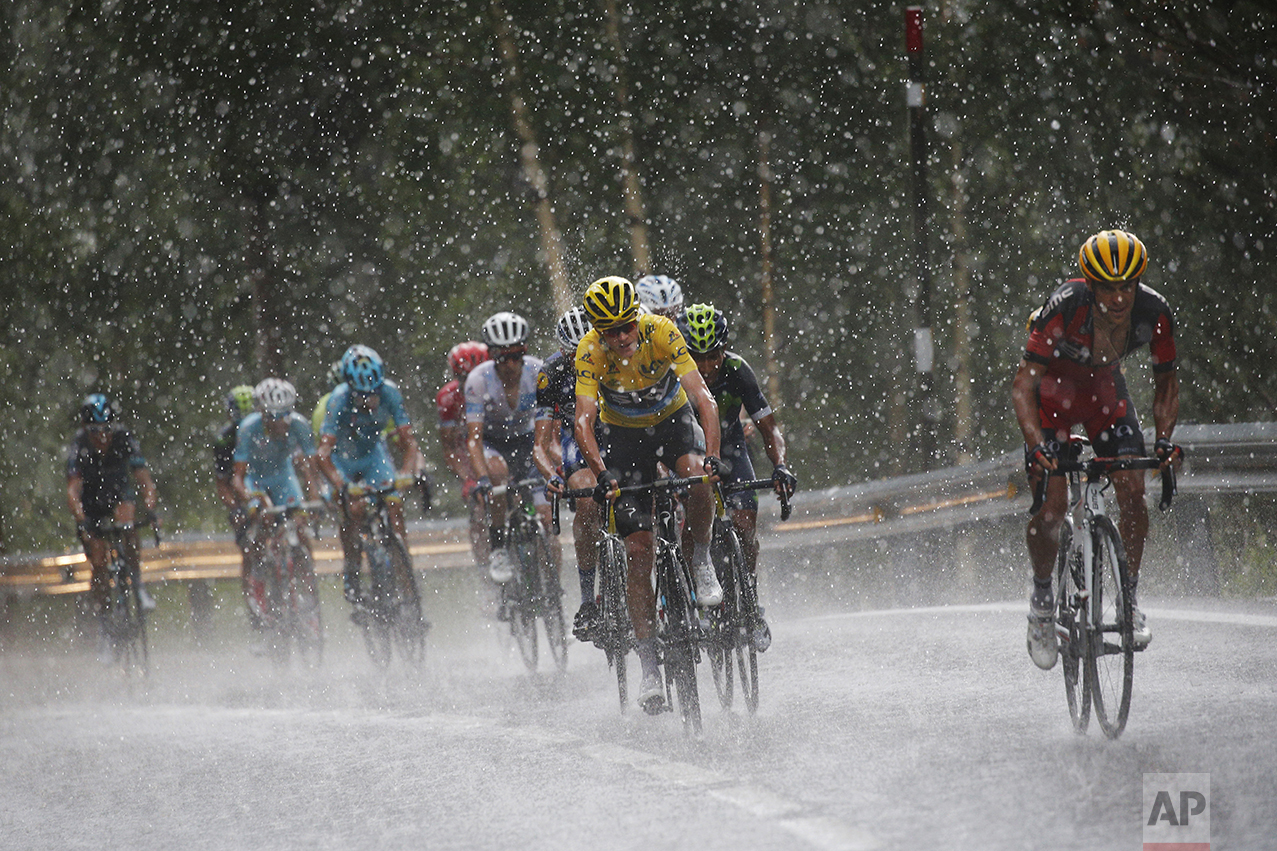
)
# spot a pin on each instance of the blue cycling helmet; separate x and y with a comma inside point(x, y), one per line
point(97, 409)
point(363, 369)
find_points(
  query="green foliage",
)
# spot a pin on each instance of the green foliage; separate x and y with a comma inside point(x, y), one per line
point(355, 163)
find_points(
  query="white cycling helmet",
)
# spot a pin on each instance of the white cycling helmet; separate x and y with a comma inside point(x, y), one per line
point(505, 329)
point(275, 397)
point(660, 294)
point(572, 326)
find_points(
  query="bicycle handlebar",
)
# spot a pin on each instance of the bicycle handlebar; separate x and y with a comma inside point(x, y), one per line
point(1094, 467)
point(759, 485)
point(308, 505)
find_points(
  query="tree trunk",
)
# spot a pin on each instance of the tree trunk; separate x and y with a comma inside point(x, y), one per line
point(635, 212)
point(530, 153)
point(267, 298)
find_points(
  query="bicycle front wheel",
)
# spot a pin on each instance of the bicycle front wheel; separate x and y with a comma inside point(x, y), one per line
point(1111, 648)
point(407, 622)
point(1070, 618)
point(749, 617)
point(614, 612)
point(522, 592)
point(679, 639)
point(724, 619)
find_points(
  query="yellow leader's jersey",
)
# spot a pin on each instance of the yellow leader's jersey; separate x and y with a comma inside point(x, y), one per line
point(643, 390)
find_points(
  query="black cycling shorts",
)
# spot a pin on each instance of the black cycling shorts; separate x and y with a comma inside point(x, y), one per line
point(633, 453)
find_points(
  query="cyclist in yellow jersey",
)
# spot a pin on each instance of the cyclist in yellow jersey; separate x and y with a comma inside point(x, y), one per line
point(636, 387)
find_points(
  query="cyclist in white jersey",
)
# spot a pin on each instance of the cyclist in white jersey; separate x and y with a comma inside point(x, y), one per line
point(500, 423)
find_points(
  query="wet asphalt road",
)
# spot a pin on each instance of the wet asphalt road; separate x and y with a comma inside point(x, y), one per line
point(919, 728)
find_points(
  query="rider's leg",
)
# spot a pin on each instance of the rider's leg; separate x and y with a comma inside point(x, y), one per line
point(586, 530)
point(351, 551)
point(641, 597)
point(499, 474)
point(1133, 524)
point(1043, 533)
point(478, 526)
point(700, 506)
point(746, 522)
point(700, 520)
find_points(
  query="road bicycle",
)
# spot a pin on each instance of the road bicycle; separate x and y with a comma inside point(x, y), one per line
point(730, 639)
point(679, 627)
point(534, 593)
point(389, 612)
point(121, 613)
point(1093, 620)
point(283, 593)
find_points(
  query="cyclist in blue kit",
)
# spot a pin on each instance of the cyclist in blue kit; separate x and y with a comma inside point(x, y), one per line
point(265, 472)
point(352, 449)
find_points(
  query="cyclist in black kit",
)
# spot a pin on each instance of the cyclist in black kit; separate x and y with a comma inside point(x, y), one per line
point(562, 465)
point(105, 474)
point(734, 386)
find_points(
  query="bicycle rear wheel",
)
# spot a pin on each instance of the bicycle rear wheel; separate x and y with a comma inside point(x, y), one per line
point(724, 619)
point(1111, 649)
point(614, 613)
point(1069, 620)
point(673, 585)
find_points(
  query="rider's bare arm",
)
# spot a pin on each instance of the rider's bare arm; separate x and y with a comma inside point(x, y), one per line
point(706, 408)
point(587, 412)
point(1165, 402)
point(474, 445)
point(1024, 396)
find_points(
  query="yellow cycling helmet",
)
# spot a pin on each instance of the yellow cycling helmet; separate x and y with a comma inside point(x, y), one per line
point(1113, 255)
point(610, 302)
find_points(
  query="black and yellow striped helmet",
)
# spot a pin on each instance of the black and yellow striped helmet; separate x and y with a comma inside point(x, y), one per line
point(1113, 255)
point(610, 302)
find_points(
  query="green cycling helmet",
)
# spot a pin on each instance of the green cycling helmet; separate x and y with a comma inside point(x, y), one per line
point(239, 402)
point(704, 327)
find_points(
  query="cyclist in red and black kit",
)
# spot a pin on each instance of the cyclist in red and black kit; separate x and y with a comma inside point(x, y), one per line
point(450, 402)
point(1072, 374)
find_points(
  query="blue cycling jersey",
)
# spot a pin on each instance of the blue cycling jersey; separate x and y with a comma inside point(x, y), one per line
point(357, 428)
point(270, 457)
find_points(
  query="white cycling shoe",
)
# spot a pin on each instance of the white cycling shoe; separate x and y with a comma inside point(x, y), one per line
point(708, 592)
point(500, 568)
point(651, 694)
point(1044, 644)
point(1142, 635)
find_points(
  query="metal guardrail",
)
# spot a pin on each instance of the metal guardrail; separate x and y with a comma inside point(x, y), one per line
point(1219, 458)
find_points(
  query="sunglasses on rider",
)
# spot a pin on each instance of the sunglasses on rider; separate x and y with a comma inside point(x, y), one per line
point(712, 354)
point(619, 330)
point(510, 354)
